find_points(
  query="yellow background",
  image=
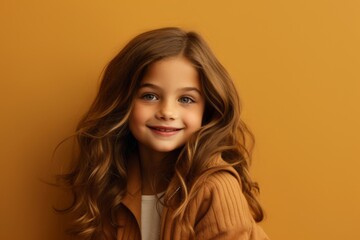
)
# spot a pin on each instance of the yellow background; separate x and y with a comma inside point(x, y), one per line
point(296, 64)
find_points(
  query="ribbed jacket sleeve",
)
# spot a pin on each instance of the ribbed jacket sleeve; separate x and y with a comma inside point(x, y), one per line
point(223, 212)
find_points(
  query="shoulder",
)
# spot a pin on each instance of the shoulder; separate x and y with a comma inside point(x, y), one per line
point(221, 183)
point(222, 180)
point(222, 210)
point(220, 206)
point(220, 193)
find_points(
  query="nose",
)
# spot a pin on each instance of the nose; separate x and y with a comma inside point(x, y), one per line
point(166, 111)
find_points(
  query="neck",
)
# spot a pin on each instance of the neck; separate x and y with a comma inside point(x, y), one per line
point(153, 176)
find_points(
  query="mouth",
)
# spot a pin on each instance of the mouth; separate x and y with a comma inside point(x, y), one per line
point(164, 131)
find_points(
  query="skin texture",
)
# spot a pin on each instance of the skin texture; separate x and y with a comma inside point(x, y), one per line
point(168, 109)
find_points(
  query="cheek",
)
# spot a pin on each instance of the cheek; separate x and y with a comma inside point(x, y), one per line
point(194, 119)
point(136, 118)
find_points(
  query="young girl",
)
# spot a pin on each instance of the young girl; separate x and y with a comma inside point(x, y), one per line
point(162, 151)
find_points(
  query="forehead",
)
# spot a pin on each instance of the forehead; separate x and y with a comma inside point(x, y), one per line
point(172, 72)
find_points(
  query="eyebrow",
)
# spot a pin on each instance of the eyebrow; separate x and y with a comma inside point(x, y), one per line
point(150, 85)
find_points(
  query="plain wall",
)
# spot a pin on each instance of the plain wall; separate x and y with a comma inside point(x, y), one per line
point(296, 64)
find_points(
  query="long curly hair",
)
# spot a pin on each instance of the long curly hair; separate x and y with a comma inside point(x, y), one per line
point(104, 142)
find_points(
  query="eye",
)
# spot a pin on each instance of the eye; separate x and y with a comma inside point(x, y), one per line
point(149, 97)
point(186, 100)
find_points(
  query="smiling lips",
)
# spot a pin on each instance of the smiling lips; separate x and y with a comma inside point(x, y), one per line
point(164, 131)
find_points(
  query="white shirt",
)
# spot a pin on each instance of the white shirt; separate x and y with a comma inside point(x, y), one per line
point(151, 210)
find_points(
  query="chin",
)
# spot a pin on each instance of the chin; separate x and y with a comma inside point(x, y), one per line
point(165, 149)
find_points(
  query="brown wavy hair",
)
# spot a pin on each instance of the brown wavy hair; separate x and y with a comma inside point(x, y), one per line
point(98, 177)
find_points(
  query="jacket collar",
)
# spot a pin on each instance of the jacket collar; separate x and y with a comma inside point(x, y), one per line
point(132, 198)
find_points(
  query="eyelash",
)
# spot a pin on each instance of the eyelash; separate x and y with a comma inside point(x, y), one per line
point(189, 100)
point(145, 97)
point(153, 97)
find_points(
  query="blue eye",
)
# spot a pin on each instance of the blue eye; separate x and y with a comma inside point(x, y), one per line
point(186, 100)
point(149, 97)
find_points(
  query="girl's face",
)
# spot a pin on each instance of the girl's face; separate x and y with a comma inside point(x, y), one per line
point(168, 106)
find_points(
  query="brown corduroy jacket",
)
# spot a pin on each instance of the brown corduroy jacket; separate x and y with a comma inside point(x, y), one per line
point(219, 210)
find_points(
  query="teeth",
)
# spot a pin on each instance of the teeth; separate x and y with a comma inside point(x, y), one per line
point(165, 130)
